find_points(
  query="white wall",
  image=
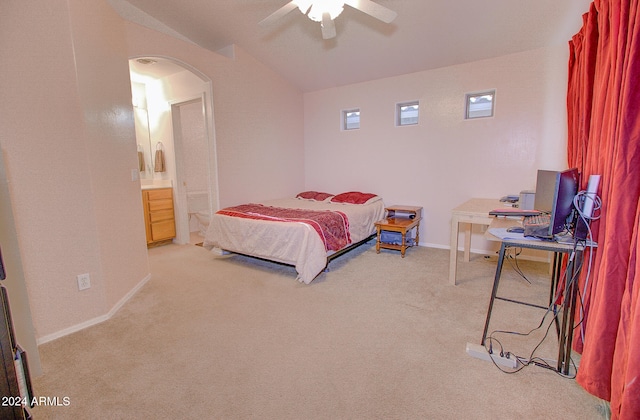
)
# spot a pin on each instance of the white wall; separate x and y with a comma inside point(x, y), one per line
point(68, 137)
point(67, 134)
point(446, 159)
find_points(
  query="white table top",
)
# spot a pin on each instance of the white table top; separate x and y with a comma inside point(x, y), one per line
point(478, 206)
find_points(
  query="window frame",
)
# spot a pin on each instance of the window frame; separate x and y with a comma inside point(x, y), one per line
point(399, 113)
point(467, 104)
point(344, 125)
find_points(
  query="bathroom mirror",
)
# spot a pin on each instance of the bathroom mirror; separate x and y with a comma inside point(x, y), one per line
point(143, 136)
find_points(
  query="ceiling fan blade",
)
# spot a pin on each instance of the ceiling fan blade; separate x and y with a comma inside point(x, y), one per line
point(373, 9)
point(273, 17)
point(328, 26)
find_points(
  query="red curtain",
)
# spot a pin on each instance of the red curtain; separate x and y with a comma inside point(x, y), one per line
point(603, 104)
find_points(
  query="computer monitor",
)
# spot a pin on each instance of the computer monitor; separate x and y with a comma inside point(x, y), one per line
point(545, 191)
point(555, 192)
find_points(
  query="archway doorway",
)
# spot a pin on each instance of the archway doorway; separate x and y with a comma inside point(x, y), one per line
point(173, 105)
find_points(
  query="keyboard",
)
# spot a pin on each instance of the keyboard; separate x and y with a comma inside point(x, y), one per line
point(537, 219)
point(537, 225)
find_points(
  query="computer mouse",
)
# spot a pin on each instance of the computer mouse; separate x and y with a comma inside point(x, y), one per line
point(515, 229)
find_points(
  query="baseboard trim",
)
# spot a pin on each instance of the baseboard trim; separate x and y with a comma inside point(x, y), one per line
point(479, 251)
point(96, 320)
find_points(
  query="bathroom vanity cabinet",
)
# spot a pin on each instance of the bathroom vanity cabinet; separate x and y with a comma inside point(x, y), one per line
point(159, 217)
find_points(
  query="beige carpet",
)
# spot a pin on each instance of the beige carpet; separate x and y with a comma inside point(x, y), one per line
point(376, 337)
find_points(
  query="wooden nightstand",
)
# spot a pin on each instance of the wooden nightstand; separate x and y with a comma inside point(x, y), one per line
point(399, 219)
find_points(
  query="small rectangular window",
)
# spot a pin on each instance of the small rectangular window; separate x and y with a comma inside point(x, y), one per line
point(407, 113)
point(351, 119)
point(480, 105)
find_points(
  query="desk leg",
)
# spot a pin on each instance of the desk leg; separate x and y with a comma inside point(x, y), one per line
point(572, 312)
point(568, 316)
point(467, 242)
point(496, 282)
point(378, 241)
point(556, 272)
point(453, 253)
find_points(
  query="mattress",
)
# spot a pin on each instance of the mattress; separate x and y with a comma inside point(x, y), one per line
point(294, 243)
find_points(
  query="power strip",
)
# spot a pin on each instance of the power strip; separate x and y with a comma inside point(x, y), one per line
point(480, 352)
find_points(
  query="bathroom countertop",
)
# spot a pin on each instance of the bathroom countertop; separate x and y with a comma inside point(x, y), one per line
point(156, 185)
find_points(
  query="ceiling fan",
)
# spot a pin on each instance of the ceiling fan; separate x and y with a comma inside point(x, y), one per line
point(324, 11)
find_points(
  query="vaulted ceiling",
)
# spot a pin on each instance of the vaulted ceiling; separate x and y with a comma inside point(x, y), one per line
point(426, 34)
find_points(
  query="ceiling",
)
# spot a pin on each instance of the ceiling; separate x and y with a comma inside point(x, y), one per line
point(427, 34)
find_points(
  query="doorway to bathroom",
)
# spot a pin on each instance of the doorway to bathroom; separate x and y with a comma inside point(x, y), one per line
point(173, 105)
point(189, 136)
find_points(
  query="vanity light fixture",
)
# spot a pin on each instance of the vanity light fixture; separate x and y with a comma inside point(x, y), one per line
point(146, 61)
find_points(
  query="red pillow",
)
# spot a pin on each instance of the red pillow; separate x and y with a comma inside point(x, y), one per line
point(314, 195)
point(353, 197)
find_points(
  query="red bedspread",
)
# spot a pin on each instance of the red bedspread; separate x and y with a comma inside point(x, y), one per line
point(332, 226)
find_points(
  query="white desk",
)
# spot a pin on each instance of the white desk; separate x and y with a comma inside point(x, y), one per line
point(474, 211)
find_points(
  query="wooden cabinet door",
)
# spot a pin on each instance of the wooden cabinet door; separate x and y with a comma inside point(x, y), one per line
point(159, 215)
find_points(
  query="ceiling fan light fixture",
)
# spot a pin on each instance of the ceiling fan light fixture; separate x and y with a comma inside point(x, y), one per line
point(318, 8)
point(303, 5)
point(325, 11)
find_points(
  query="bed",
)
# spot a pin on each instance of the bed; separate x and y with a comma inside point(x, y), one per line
point(286, 230)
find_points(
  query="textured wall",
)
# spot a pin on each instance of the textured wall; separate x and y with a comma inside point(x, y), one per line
point(445, 159)
point(68, 138)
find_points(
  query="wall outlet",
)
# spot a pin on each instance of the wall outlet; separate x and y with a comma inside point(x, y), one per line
point(84, 281)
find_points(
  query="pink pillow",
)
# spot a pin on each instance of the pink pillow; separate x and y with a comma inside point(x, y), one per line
point(314, 195)
point(353, 197)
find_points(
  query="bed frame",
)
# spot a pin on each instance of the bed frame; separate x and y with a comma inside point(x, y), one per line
point(347, 249)
point(227, 233)
point(329, 258)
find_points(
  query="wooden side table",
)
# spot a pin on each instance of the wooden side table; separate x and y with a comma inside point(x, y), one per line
point(399, 219)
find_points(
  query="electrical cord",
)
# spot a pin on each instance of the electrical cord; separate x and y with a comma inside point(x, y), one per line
point(512, 258)
point(595, 215)
point(578, 201)
point(533, 360)
point(524, 362)
point(553, 308)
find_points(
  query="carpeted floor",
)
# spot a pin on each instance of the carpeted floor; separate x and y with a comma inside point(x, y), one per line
point(376, 337)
